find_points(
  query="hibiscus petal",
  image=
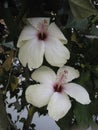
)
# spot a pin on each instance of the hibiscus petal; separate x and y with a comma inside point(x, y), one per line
point(71, 73)
point(27, 33)
point(38, 95)
point(36, 21)
point(56, 32)
point(77, 92)
point(44, 75)
point(31, 53)
point(55, 52)
point(58, 106)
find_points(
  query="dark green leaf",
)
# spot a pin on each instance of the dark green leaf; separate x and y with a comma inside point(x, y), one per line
point(14, 83)
point(95, 70)
point(82, 115)
point(9, 45)
point(32, 126)
point(4, 122)
point(82, 8)
point(10, 22)
point(84, 79)
point(77, 24)
point(22, 120)
point(94, 30)
point(92, 53)
point(66, 122)
point(94, 126)
point(93, 107)
point(96, 82)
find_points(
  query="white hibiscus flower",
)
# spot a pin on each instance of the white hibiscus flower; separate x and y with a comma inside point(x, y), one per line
point(40, 38)
point(53, 90)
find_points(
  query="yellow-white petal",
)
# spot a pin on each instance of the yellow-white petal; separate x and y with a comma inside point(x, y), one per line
point(44, 75)
point(38, 95)
point(27, 33)
point(54, 31)
point(77, 92)
point(55, 52)
point(71, 74)
point(58, 106)
point(31, 53)
point(36, 21)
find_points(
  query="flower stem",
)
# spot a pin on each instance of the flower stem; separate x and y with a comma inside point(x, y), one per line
point(28, 121)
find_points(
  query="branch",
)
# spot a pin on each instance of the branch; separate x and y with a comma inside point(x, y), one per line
point(5, 122)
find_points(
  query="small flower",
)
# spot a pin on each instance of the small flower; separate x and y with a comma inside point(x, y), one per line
point(40, 38)
point(53, 90)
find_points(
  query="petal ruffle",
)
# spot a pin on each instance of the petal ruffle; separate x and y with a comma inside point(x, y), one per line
point(27, 33)
point(55, 52)
point(36, 21)
point(38, 95)
point(44, 75)
point(31, 53)
point(58, 106)
point(54, 31)
point(71, 74)
point(77, 92)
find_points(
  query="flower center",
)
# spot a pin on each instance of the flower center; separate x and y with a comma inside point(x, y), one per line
point(42, 36)
point(58, 87)
point(42, 27)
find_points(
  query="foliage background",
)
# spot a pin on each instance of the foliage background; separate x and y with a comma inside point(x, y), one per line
point(78, 20)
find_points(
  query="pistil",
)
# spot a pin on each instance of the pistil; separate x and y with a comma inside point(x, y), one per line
point(62, 78)
point(58, 87)
point(42, 36)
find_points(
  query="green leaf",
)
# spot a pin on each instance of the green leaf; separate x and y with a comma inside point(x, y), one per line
point(22, 120)
point(4, 122)
point(94, 126)
point(33, 126)
point(14, 83)
point(95, 70)
point(95, 19)
point(82, 115)
point(10, 22)
point(66, 121)
point(94, 30)
point(7, 64)
point(8, 45)
point(85, 79)
point(96, 82)
point(93, 107)
point(78, 24)
point(91, 54)
point(82, 8)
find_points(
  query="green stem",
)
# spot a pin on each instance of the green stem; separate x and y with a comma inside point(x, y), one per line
point(28, 121)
